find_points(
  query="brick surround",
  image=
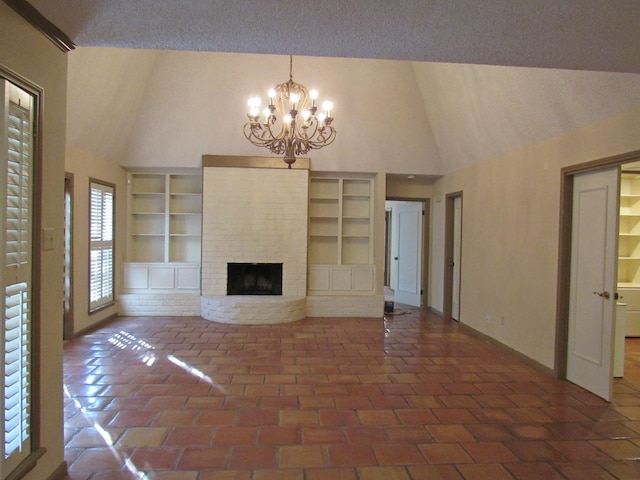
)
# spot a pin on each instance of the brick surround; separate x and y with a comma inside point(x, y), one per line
point(254, 215)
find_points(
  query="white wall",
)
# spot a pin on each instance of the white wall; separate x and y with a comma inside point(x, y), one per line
point(479, 112)
point(186, 104)
point(28, 53)
point(510, 230)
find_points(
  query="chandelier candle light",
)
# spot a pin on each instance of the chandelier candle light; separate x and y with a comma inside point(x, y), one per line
point(291, 124)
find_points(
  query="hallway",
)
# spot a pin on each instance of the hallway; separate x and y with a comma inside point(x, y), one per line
point(410, 397)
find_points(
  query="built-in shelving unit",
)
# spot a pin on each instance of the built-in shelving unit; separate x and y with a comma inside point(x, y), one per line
point(340, 212)
point(148, 211)
point(340, 235)
point(629, 249)
point(165, 216)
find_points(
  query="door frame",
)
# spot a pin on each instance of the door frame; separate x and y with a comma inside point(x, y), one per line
point(425, 276)
point(448, 250)
point(37, 360)
point(68, 328)
point(564, 249)
point(387, 247)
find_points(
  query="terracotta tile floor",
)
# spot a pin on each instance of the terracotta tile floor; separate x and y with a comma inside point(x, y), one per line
point(410, 397)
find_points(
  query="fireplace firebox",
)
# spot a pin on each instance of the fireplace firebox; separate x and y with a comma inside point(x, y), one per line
point(254, 279)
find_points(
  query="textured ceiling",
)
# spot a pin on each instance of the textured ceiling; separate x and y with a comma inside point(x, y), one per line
point(583, 35)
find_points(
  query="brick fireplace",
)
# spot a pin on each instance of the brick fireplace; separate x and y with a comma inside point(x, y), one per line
point(254, 215)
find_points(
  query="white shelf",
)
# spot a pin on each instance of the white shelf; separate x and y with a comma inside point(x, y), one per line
point(165, 216)
point(629, 250)
point(340, 213)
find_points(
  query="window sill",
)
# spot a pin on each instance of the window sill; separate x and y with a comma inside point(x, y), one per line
point(102, 307)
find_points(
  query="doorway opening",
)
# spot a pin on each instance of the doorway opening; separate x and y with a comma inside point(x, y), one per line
point(406, 252)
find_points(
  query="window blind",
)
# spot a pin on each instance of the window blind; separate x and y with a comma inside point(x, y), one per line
point(18, 197)
point(17, 370)
point(101, 245)
point(16, 275)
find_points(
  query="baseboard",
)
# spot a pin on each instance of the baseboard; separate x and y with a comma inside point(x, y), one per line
point(436, 311)
point(521, 356)
point(95, 326)
point(59, 473)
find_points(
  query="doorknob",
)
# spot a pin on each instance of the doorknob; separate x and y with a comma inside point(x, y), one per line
point(604, 294)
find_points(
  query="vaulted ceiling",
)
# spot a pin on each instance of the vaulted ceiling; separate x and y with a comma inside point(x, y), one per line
point(423, 87)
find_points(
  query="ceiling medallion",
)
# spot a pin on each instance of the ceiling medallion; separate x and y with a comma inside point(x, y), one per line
point(291, 124)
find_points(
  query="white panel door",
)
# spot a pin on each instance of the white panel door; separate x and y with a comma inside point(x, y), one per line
point(457, 245)
point(409, 264)
point(594, 245)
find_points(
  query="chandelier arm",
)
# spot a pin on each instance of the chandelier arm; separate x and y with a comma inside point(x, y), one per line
point(275, 136)
point(318, 137)
point(249, 131)
point(315, 128)
point(325, 139)
point(255, 134)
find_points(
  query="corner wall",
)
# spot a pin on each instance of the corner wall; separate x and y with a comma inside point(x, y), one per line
point(510, 239)
point(29, 54)
point(84, 165)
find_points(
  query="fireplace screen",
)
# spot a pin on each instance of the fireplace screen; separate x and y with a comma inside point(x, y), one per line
point(254, 279)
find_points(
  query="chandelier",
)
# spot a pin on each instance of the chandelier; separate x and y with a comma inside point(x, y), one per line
point(291, 124)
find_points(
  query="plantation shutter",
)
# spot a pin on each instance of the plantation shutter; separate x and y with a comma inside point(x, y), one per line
point(16, 274)
point(101, 250)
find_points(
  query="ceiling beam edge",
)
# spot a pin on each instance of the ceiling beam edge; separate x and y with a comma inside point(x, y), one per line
point(40, 23)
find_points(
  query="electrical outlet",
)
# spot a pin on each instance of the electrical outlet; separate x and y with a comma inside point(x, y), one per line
point(502, 320)
point(487, 319)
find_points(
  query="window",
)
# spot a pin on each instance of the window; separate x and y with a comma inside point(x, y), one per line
point(101, 269)
point(16, 141)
